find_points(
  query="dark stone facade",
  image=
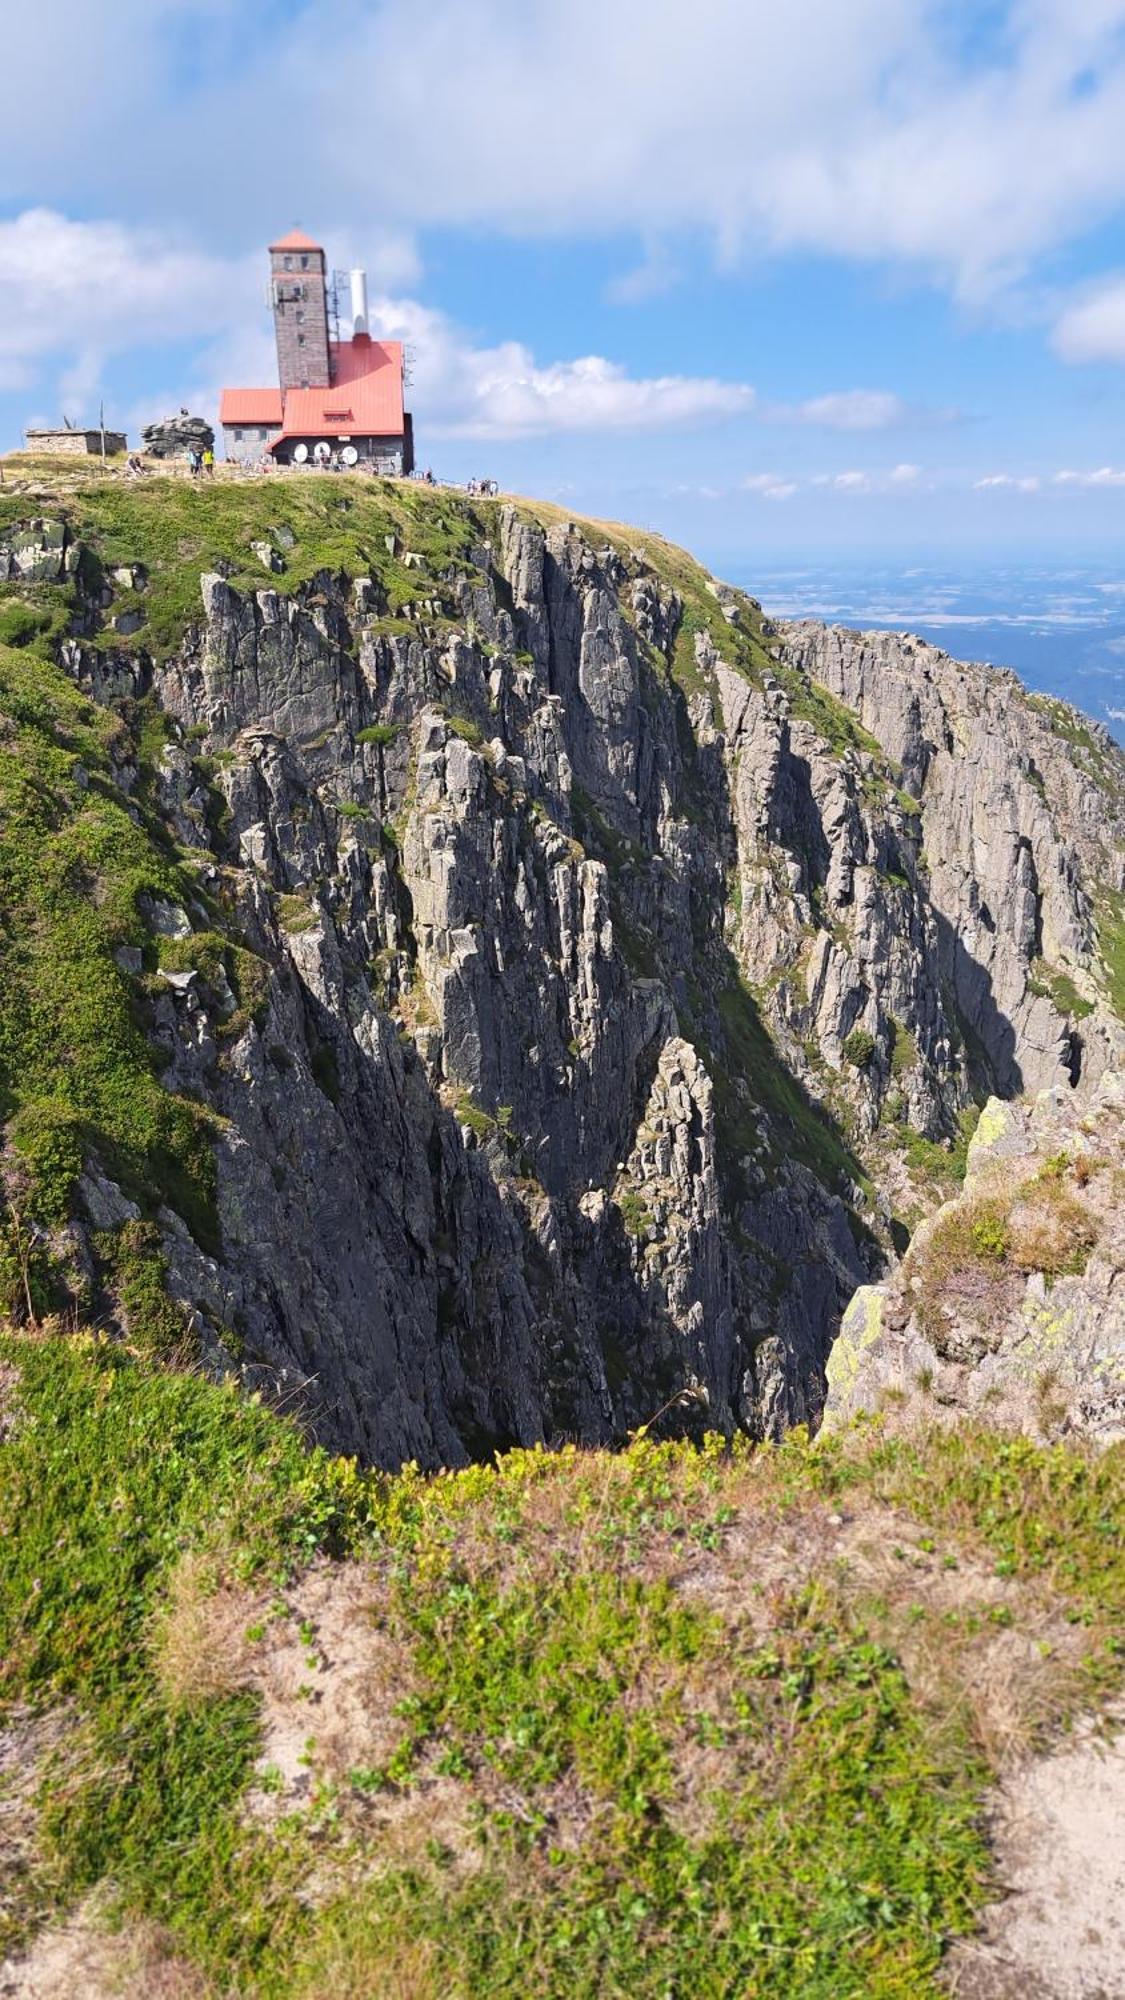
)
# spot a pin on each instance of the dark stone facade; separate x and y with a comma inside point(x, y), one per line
point(300, 316)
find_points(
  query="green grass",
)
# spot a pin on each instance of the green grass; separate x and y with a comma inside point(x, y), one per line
point(180, 531)
point(1072, 728)
point(77, 1075)
point(1049, 983)
point(628, 1787)
point(937, 1160)
point(749, 1073)
point(904, 1050)
point(115, 1470)
point(1037, 1224)
point(1111, 944)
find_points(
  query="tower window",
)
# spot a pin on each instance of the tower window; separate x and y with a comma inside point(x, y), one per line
point(304, 263)
point(288, 262)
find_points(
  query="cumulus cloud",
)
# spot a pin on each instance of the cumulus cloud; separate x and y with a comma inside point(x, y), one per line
point(996, 482)
point(845, 482)
point(504, 392)
point(899, 480)
point(768, 486)
point(1104, 476)
point(1092, 328)
point(879, 130)
point(79, 292)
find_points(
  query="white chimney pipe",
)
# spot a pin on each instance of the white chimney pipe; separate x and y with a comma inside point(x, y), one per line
point(359, 301)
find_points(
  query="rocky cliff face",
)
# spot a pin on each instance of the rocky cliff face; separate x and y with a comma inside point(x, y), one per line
point(1022, 812)
point(561, 947)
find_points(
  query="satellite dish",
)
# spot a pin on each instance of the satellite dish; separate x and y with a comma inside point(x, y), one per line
point(322, 452)
point(350, 455)
point(300, 453)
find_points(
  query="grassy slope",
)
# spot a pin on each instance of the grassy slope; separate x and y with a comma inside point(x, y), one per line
point(669, 1722)
point(76, 1072)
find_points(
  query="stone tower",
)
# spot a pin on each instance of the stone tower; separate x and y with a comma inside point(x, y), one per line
point(298, 295)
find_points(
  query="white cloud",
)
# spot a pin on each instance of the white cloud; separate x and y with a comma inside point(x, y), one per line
point(1106, 475)
point(845, 482)
point(859, 130)
point(876, 130)
point(72, 294)
point(768, 486)
point(504, 392)
point(1093, 327)
point(1007, 481)
point(852, 410)
point(905, 475)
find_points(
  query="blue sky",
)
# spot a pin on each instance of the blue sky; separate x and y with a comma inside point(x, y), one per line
point(832, 278)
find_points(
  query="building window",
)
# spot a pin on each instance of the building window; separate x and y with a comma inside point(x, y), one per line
point(300, 317)
point(304, 263)
point(288, 263)
point(300, 340)
point(238, 437)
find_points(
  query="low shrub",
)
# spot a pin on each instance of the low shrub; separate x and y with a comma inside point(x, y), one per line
point(859, 1048)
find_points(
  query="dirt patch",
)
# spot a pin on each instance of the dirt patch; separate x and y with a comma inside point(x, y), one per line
point(328, 1674)
point(26, 1742)
point(82, 1960)
point(330, 1679)
point(1057, 1827)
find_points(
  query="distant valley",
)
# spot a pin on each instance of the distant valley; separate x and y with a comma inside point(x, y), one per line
point(1061, 628)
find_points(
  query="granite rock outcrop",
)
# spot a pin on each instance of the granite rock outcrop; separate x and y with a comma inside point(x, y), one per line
point(600, 950)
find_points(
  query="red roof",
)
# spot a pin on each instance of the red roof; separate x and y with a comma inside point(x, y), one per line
point(296, 240)
point(251, 406)
point(365, 400)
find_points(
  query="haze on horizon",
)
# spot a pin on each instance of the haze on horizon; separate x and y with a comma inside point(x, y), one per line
point(843, 281)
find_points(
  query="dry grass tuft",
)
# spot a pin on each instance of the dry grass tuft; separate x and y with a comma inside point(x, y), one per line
point(1050, 1230)
point(200, 1644)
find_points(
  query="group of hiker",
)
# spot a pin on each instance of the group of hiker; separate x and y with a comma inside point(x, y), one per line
point(201, 462)
point(487, 488)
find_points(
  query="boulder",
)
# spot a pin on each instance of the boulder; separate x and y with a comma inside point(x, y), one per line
point(174, 437)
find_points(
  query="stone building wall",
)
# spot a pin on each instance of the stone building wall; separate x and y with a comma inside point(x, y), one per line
point(244, 444)
point(75, 444)
point(300, 317)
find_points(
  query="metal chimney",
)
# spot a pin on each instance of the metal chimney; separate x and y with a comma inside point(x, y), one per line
point(359, 302)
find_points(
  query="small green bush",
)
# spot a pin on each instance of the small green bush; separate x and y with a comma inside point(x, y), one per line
point(21, 624)
point(469, 731)
point(859, 1048)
